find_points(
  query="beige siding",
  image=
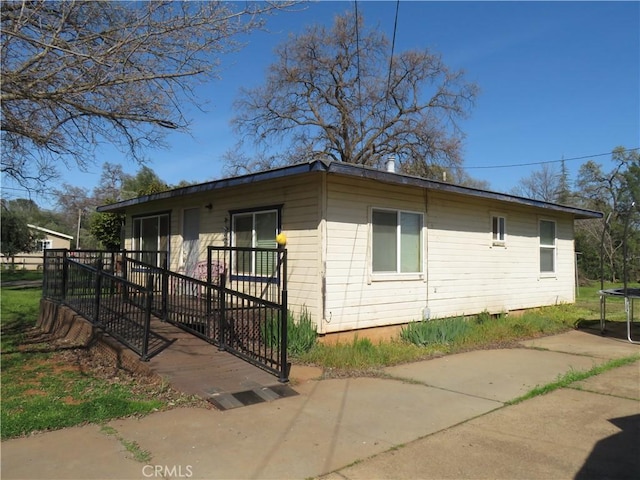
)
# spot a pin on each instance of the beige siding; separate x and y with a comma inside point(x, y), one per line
point(327, 221)
point(467, 273)
point(34, 260)
point(354, 299)
point(299, 198)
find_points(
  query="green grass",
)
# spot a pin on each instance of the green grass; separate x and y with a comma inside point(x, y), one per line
point(140, 455)
point(422, 340)
point(9, 275)
point(589, 300)
point(18, 313)
point(442, 332)
point(362, 354)
point(301, 333)
point(573, 376)
point(41, 391)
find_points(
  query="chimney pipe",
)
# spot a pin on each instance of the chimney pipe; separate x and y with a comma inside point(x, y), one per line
point(391, 164)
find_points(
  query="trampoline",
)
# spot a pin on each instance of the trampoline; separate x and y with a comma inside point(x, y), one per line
point(629, 295)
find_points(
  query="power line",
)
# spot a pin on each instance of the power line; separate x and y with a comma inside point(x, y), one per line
point(37, 192)
point(355, 2)
point(548, 161)
point(393, 45)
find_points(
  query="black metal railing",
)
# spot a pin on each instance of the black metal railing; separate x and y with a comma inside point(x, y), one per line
point(259, 272)
point(254, 328)
point(241, 311)
point(252, 303)
point(119, 307)
point(53, 276)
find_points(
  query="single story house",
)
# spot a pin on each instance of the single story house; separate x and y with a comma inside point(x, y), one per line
point(369, 248)
point(33, 260)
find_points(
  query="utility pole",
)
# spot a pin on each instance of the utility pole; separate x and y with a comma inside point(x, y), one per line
point(78, 235)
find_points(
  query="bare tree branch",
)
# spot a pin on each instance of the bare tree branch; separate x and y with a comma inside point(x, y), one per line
point(75, 73)
point(318, 102)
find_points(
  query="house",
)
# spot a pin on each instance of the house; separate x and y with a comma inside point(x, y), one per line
point(369, 248)
point(33, 260)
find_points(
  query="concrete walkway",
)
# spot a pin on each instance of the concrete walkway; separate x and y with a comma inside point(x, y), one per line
point(441, 418)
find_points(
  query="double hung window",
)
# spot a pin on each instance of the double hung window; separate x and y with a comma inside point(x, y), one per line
point(396, 241)
point(255, 230)
point(499, 229)
point(547, 246)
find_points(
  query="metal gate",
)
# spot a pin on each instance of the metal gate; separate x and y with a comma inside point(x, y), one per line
point(238, 302)
point(251, 308)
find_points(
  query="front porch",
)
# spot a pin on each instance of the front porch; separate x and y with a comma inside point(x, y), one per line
point(193, 366)
point(189, 364)
point(148, 308)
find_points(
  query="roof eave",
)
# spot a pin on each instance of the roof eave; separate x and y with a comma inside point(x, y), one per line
point(389, 177)
point(282, 172)
point(349, 170)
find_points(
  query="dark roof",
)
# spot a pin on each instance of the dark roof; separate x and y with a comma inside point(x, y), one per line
point(348, 170)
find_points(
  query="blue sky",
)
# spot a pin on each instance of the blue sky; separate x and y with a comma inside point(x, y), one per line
point(557, 79)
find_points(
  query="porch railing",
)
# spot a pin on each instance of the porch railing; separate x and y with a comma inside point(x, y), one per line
point(252, 303)
point(119, 307)
point(242, 312)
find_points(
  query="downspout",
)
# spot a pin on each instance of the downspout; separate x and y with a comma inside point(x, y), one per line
point(322, 257)
point(426, 312)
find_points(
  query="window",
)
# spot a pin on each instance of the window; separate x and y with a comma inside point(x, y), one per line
point(255, 230)
point(43, 245)
point(396, 241)
point(499, 228)
point(547, 246)
point(151, 235)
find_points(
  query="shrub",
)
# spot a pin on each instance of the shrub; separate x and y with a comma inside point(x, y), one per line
point(301, 335)
point(430, 332)
point(483, 317)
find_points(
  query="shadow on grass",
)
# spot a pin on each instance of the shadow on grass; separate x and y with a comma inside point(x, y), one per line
point(20, 336)
point(613, 329)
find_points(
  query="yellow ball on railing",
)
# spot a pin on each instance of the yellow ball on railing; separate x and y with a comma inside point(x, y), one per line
point(281, 239)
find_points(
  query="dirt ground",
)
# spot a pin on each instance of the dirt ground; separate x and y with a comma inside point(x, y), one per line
point(91, 362)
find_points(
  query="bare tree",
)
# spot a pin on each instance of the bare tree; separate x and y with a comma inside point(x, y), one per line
point(544, 184)
point(76, 73)
point(333, 93)
point(109, 187)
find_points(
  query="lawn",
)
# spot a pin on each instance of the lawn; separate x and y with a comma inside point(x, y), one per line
point(45, 387)
point(10, 275)
point(424, 340)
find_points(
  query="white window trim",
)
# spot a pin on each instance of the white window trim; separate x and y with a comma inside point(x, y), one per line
point(45, 244)
point(253, 214)
point(553, 247)
point(136, 242)
point(395, 276)
point(503, 241)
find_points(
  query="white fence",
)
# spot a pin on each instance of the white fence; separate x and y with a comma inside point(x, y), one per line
point(23, 262)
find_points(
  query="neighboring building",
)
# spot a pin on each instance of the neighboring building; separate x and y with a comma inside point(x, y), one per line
point(369, 248)
point(33, 260)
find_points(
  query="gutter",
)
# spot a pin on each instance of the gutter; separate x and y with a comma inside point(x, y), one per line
point(346, 169)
